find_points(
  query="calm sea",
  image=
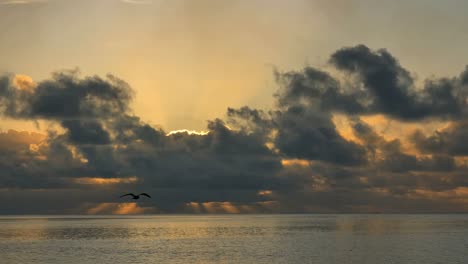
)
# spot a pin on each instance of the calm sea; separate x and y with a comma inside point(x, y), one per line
point(268, 239)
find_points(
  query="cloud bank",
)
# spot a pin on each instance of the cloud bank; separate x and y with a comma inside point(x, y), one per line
point(317, 150)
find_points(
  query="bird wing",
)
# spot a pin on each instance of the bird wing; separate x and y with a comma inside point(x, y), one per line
point(145, 194)
point(127, 195)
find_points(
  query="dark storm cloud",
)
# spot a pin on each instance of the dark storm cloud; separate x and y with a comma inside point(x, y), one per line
point(309, 134)
point(253, 120)
point(390, 87)
point(303, 131)
point(317, 88)
point(66, 96)
point(23, 166)
point(291, 158)
point(223, 159)
point(451, 140)
point(379, 85)
point(103, 139)
point(386, 81)
point(86, 132)
point(392, 158)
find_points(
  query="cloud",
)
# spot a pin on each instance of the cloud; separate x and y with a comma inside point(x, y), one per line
point(86, 132)
point(102, 139)
point(294, 157)
point(390, 88)
point(65, 96)
point(306, 134)
point(450, 140)
point(378, 84)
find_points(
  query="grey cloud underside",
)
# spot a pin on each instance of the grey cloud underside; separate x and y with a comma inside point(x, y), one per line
point(378, 85)
point(390, 89)
point(450, 141)
point(66, 96)
point(102, 138)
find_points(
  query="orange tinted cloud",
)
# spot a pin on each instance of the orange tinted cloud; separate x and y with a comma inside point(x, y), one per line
point(104, 181)
point(24, 82)
point(459, 194)
point(265, 192)
point(13, 137)
point(388, 129)
point(343, 127)
point(295, 162)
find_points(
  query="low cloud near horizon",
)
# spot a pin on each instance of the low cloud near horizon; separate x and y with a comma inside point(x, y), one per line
point(362, 135)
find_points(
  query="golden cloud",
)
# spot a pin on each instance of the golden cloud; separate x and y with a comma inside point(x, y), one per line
point(295, 162)
point(190, 132)
point(104, 181)
point(24, 82)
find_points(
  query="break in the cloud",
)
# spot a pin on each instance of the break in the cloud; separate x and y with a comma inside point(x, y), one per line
point(293, 158)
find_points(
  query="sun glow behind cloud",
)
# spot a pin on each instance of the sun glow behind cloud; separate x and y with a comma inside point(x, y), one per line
point(104, 181)
point(295, 162)
point(24, 82)
point(119, 208)
point(185, 76)
point(186, 131)
point(218, 207)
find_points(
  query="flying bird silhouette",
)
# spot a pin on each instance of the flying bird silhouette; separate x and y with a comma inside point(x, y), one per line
point(136, 197)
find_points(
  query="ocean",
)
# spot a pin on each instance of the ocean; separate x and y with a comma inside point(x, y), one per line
point(302, 238)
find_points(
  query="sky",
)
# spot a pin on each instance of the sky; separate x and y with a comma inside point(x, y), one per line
point(233, 106)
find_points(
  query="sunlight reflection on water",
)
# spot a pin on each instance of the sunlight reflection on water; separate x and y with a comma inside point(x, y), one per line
point(235, 239)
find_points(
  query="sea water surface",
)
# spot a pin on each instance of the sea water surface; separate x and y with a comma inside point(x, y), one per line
point(235, 239)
